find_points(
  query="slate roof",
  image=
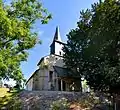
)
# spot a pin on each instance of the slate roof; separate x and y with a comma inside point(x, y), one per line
point(64, 72)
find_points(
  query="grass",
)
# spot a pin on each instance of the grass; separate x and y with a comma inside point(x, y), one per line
point(3, 92)
point(9, 100)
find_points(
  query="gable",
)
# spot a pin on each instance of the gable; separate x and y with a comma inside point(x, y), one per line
point(32, 75)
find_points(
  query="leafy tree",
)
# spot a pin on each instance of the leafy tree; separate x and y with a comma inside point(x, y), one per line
point(105, 36)
point(16, 37)
point(99, 60)
point(78, 40)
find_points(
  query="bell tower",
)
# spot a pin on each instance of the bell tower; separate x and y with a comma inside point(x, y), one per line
point(57, 45)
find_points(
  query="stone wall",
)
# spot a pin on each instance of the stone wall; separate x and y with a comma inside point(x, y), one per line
point(29, 85)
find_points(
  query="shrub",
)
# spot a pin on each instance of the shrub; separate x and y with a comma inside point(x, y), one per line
point(86, 102)
point(61, 104)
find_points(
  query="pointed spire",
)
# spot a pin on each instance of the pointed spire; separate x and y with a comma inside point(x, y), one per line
point(57, 35)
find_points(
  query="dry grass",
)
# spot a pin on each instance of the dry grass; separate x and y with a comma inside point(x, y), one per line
point(5, 96)
point(7, 99)
point(3, 92)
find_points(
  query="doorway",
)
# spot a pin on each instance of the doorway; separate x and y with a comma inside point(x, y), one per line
point(61, 85)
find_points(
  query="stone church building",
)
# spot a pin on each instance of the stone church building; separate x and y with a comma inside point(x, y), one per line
point(51, 73)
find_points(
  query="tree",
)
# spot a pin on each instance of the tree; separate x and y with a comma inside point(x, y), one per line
point(78, 40)
point(16, 37)
point(105, 36)
point(99, 60)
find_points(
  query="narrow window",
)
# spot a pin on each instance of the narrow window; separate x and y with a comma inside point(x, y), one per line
point(50, 75)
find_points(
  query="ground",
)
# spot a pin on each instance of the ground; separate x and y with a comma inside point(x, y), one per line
point(44, 100)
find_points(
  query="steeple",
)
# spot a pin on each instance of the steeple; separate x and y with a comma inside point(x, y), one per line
point(57, 35)
point(56, 46)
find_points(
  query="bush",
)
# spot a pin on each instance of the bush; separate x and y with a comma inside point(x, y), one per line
point(86, 101)
point(14, 104)
point(61, 104)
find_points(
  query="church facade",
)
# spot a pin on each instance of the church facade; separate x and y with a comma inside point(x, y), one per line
point(51, 73)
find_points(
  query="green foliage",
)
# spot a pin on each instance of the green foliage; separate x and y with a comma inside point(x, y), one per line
point(105, 37)
point(61, 104)
point(16, 37)
point(89, 101)
point(15, 104)
point(78, 41)
point(94, 46)
point(86, 101)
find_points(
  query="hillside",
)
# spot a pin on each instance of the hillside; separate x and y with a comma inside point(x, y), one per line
point(48, 100)
point(9, 100)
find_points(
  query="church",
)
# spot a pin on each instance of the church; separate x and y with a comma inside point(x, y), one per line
point(52, 75)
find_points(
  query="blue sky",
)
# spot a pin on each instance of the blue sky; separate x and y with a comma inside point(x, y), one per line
point(65, 15)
